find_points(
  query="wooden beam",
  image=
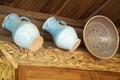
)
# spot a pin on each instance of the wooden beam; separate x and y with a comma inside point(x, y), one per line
point(62, 7)
point(33, 4)
point(51, 73)
point(98, 9)
point(40, 16)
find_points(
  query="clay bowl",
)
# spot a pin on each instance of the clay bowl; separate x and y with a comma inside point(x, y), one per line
point(101, 37)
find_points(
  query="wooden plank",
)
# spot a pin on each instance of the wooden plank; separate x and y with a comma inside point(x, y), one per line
point(39, 16)
point(51, 56)
point(20, 74)
point(112, 11)
point(107, 76)
point(45, 73)
point(62, 7)
point(51, 73)
point(53, 6)
point(32, 5)
point(7, 2)
point(39, 79)
point(93, 10)
point(80, 9)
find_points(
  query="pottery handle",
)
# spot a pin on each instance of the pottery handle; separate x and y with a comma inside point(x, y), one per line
point(62, 23)
point(24, 19)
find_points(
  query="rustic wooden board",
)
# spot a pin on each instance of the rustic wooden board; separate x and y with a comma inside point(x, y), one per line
point(79, 9)
point(32, 5)
point(38, 15)
point(112, 10)
point(51, 73)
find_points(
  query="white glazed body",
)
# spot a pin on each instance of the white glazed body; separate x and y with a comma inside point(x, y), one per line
point(25, 34)
point(67, 38)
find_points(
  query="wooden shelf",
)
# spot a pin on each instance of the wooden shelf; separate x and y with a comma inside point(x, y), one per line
point(25, 72)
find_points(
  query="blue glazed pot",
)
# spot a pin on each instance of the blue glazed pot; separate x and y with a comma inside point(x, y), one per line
point(63, 35)
point(24, 33)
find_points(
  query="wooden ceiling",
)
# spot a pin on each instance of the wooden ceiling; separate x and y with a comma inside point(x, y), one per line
point(76, 9)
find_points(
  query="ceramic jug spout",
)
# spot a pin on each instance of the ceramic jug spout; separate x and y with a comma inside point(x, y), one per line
point(10, 22)
point(50, 25)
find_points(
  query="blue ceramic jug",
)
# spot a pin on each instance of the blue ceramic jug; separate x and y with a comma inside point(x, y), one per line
point(24, 33)
point(63, 35)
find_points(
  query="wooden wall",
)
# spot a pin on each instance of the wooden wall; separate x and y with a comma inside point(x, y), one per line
point(77, 9)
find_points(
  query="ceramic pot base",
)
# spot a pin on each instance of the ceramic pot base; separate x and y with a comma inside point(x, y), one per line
point(75, 46)
point(36, 44)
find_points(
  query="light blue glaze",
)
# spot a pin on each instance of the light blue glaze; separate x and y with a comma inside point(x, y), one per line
point(16, 28)
point(13, 22)
point(10, 22)
point(54, 27)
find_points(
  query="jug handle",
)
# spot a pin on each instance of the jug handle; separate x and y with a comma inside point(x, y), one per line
point(62, 23)
point(24, 19)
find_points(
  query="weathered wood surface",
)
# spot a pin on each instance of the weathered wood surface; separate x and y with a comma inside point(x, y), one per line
point(38, 15)
point(51, 56)
point(67, 8)
point(52, 73)
point(7, 71)
point(80, 9)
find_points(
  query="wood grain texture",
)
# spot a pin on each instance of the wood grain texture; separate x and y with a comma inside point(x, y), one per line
point(80, 9)
point(7, 2)
point(44, 73)
point(51, 73)
point(39, 16)
point(53, 6)
point(112, 10)
point(32, 5)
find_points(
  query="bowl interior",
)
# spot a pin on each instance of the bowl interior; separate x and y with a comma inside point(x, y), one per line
point(101, 37)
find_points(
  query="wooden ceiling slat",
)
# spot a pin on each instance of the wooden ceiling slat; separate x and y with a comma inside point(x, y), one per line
point(7, 2)
point(62, 7)
point(97, 5)
point(112, 11)
point(39, 16)
point(52, 6)
point(33, 5)
point(79, 8)
point(75, 9)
